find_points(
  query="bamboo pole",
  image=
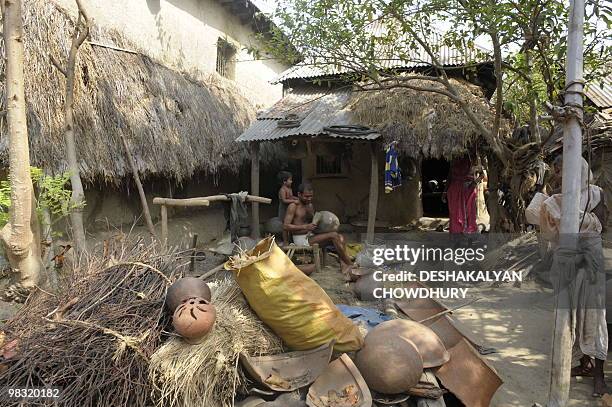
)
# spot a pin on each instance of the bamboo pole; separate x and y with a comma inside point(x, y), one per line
point(206, 200)
point(572, 147)
point(164, 224)
point(141, 193)
point(373, 199)
point(255, 189)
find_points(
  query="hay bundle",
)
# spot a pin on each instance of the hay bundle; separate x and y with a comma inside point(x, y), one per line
point(423, 122)
point(94, 339)
point(208, 374)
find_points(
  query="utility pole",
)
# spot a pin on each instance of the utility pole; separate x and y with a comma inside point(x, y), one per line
point(572, 149)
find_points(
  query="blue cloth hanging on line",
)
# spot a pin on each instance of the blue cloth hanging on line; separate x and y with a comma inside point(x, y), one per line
point(393, 174)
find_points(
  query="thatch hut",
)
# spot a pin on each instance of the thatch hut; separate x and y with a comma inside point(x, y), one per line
point(180, 126)
point(346, 170)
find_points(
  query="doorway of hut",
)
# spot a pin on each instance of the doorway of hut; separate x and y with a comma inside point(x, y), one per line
point(434, 174)
point(270, 184)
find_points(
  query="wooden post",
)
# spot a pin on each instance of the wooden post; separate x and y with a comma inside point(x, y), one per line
point(316, 256)
point(569, 227)
point(255, 189)
point(373, 201)
point(141, 193)
point(194, 243)
point(164, 225)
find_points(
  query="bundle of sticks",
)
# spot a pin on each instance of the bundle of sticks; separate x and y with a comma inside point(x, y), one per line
point(94, 339)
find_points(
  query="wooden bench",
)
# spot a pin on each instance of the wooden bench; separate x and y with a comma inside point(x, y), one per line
point(314, 249)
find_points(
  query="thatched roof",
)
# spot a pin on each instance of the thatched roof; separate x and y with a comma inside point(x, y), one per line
point(175, 124)
point(424, 123)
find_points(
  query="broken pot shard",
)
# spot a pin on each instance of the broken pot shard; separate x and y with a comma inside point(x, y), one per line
point(468, 376)
point(446, 327)
point(288, 371)
point(340, 384)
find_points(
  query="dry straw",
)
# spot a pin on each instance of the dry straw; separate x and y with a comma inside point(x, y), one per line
point(208, 374)
point(176, 123)
point(424, 123)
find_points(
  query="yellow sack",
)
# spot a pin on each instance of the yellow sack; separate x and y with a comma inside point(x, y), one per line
point(289, 302)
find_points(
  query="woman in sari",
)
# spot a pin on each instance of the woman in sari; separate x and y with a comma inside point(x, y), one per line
point(461, 196)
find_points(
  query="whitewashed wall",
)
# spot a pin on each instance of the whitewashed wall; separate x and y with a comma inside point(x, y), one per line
point(183, 35)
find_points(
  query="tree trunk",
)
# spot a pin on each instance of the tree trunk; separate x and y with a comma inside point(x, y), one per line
point(81, 31)
point(533, 108)
point(78, 195)
point(17, 236)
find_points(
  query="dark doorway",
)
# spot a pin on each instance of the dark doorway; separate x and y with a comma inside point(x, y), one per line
point(434, 173)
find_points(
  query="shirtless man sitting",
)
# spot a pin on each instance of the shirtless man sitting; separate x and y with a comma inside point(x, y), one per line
point(298, 222)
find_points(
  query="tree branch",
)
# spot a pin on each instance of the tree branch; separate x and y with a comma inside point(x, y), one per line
point(57, 64)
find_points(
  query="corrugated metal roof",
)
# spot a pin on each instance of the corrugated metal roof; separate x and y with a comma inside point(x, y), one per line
point(600, 92)
point(316, 109)
point(447, 56)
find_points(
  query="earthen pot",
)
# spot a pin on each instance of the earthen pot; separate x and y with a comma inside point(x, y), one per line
point(389, 364)
point(429, 345)
point(184, 288)
point(193, 319)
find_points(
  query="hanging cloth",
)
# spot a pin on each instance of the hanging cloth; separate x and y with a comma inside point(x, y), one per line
point(393, 174)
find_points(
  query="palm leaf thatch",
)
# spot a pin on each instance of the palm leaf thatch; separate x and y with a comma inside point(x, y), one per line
point(176, 124)
point(423, 122)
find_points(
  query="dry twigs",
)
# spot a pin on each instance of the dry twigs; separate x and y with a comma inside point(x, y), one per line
point(95, 339)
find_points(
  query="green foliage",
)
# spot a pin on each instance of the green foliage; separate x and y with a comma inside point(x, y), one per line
point(361, 36)
point(52, 191)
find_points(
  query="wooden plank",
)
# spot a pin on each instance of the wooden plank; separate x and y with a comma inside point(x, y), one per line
point(181, 202)
point(255, 189)
point(206, 200)
point(164, 224)
point(249, 198)
point(373, 199)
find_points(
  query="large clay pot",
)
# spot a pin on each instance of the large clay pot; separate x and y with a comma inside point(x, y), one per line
point(388, 363)
point(326, 221)
point(274, 225)
point(429, 345)
point(364, 287)
point(193, 319)
point(184, 288)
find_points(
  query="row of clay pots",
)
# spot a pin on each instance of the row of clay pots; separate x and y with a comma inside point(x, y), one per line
point(193, 315)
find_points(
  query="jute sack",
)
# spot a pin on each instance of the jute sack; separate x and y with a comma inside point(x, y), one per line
point(289, 302)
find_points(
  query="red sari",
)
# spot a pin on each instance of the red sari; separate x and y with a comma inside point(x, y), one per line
point(461, 196)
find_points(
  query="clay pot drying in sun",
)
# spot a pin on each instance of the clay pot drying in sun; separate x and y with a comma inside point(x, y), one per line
point(184, 288)
point(194, 319)
point(428, 344)
point(389, 364)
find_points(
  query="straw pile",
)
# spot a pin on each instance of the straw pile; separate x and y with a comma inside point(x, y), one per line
point(94, 339)
point(424, 122)
point(208, 374)
point(176, 124)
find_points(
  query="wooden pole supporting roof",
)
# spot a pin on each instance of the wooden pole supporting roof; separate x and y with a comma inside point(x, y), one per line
point(255, 189)
point(373, 199)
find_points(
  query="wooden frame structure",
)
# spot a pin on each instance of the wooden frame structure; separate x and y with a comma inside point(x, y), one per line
point(202, 201)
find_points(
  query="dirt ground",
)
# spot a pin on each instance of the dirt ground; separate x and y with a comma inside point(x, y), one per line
point(516, 321)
